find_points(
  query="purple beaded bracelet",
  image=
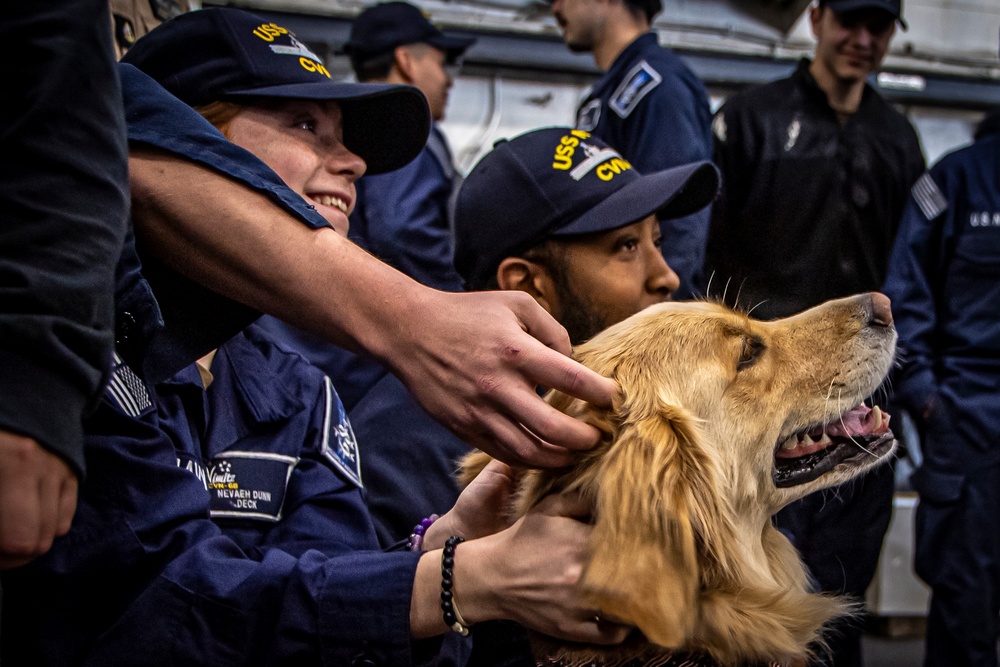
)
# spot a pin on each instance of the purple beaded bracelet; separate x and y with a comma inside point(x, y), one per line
point(416, 541)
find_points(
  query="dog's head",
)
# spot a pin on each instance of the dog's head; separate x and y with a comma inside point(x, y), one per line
point(721, 421)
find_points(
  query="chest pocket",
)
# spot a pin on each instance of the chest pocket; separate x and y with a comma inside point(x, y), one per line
point(977, 250)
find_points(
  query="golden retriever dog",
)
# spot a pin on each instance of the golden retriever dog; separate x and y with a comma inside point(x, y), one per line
point(721, 421)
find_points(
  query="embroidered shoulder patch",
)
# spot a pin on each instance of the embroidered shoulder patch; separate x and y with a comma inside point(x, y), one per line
point(126, 390)
point(249, 485)
point(929, 198)
point(589, 115)
point(339, 444)
point(636, 85)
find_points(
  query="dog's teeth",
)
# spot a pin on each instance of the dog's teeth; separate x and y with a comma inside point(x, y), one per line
point(876, 417)
point(791, 443)
point(825, 440)
point(806, 440)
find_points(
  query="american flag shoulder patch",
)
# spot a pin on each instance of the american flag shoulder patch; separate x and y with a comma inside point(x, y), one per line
point(126, 390)
point(929, 197)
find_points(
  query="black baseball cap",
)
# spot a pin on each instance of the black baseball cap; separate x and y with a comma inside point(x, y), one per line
point(561, 182)
point(894, 7)
point(648, 7)
point(230, 54)
point(382, 27)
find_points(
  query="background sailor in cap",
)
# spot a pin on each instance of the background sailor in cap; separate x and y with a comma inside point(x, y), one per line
point(816, 170)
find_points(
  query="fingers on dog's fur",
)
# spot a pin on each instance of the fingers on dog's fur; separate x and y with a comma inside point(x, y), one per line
point(471, 465)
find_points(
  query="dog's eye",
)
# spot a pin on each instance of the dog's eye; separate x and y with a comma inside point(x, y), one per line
point(749, 352)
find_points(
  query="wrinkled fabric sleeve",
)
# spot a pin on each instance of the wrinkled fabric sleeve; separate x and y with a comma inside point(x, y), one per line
point(64, 210)
point(912, 265)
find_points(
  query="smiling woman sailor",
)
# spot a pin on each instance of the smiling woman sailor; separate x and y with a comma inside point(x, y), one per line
point(222, 521)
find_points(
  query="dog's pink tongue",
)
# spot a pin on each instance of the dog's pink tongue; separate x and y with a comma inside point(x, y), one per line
point(861, 420)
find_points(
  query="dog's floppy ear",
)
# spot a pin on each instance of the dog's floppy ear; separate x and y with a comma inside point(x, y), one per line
point(657, 511)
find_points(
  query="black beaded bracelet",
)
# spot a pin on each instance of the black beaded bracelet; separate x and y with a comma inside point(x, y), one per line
point(449, 608)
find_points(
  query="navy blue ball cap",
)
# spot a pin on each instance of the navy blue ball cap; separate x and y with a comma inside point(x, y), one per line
point(561, 182)
point(894, 7)
point(382, 27)
point(230, 54)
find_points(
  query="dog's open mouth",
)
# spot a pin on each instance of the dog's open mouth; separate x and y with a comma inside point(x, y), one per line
point(860, 433)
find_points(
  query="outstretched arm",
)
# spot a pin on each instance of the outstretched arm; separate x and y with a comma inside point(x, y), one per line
point(473, 360)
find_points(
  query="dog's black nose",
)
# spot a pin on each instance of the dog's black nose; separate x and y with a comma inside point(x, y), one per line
point(881, 309)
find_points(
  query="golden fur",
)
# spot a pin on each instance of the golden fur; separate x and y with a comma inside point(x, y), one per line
point(682, 489)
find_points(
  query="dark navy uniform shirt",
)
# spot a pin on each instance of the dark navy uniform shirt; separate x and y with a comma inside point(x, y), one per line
point(403, 217)
point(944, 282)
point(809, 205)
point(652, 108)
point(410, 459)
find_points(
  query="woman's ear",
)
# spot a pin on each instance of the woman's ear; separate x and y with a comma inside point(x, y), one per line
point(655, 501)
point(517, 273)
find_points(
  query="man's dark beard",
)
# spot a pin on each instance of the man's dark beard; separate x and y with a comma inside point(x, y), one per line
point(578, 315)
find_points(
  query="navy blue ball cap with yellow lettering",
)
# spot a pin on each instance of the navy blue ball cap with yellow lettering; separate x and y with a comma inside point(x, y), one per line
point(229, 54)
point(382, 27)
point(561, 182)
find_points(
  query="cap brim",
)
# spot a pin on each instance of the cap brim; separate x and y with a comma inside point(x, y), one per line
point(386, 125)
point(854, 5)
point(673, 193)
point(452, 45)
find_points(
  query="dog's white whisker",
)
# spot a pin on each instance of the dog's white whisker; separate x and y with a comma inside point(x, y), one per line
point(757, 305)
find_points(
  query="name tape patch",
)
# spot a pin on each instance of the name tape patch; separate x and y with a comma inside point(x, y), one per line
point(248, 485)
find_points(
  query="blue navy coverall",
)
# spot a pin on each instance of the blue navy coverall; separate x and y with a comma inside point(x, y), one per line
point(653, 109)
point(150, 572)
point(409, 459)
point(944, 282)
